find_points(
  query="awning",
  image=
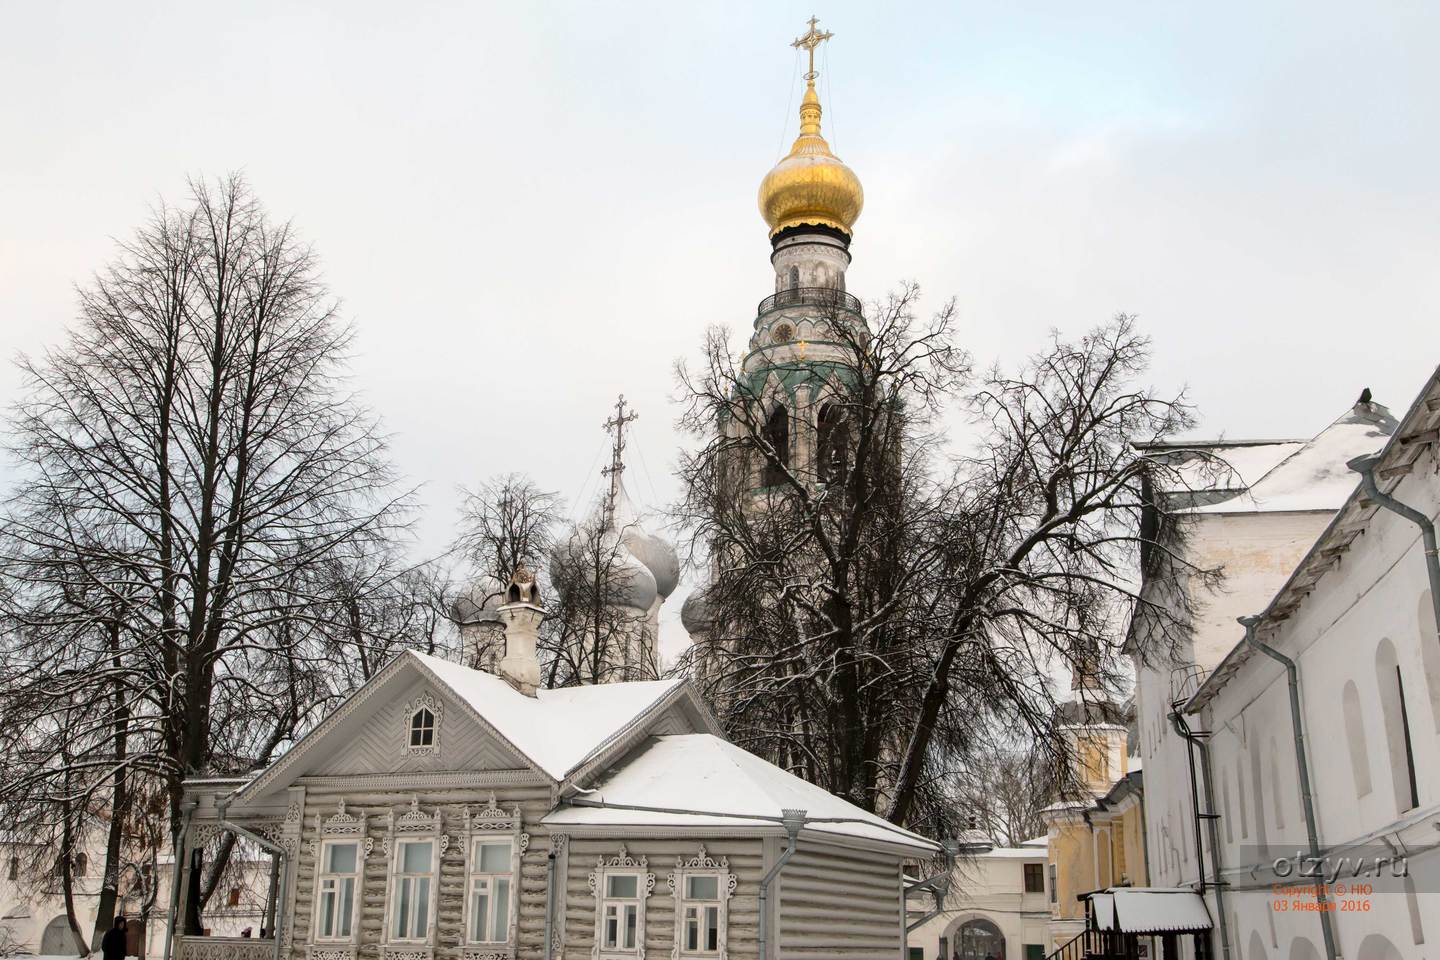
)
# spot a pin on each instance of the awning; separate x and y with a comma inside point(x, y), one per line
point(1103, 905)
point(1158, 910)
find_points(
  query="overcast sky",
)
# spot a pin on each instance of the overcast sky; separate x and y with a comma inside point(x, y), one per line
point(529, 208)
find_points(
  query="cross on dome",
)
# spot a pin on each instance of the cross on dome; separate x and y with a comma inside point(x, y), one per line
point(809, 42)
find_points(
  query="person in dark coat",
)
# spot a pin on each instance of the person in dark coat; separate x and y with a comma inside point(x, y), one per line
point(112, 945)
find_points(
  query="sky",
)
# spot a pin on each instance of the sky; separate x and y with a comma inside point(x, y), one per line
point(527, 209)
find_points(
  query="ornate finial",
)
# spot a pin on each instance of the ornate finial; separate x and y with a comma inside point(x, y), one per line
point(616, 425)
point(809, 42)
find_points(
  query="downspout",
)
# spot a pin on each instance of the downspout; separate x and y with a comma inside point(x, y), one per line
point(1365, 466)
point(178, 848)
point(938, 886)
point(549, 902)
point(793, 820)
point(1302, 765)
point(1195, 743)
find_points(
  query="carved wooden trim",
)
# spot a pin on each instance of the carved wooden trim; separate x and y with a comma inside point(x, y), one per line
point(493, 821)
point(414, 824)
point(624, 865)
point(436, 706)
point(702, 865)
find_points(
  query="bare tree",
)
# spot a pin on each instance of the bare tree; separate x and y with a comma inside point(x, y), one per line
point(191, 463)
point(873, 605)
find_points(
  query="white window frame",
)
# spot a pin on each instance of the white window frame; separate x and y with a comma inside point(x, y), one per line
point(620, 866)
point(342, 827)
point(425, 701)
point(491, 824)
point(414, 825)
point(702, 865)
point(357, 878)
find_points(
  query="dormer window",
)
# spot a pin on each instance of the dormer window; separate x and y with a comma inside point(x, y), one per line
point(422, 729)
point(422, 724)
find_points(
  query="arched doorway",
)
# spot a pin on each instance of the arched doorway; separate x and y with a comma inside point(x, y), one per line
point(1377, 947)
point(978, 939)
point(58, 940)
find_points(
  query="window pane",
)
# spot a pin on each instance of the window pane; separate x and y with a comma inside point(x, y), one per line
point(712, 929)
point(422, 906)
point(340, 858)
point(415, 858)
point(631, 917)
point(622, 886)
point(402, 911)
point(347, 902)
point(480, 913)
point(327, 913)
point(612, 927)
point(692, 930)
point(494, 858)
point(702, 888)
point(501, 922)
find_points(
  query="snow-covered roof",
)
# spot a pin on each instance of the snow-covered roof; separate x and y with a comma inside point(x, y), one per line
point(557, 729)
point(1158, 910)
point(1220, 466)
point(1393, 459)
point(1026, 852)
point(700, 780)
point(1314, 476)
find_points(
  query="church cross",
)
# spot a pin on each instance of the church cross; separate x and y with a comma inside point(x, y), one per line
point(616, 425)
point(809, 42)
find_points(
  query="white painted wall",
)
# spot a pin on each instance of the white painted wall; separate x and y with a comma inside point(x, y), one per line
point(990, 886)
point(1373, 600)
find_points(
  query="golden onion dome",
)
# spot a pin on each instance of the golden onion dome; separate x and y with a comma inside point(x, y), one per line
point(810, 186)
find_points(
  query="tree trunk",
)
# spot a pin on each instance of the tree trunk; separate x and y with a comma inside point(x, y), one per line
point(119, 801)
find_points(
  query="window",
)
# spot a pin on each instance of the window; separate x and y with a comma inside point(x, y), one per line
point(702, 887)
point(489, 893)
point(777, 437)
point(1355, 738)
point(422, 728)
point(621, 911)
point(82, 863)
point(1034, 878)
point(335, 912)
point(422, 717)
point(794, 278)
point(410, 900)
point(1052, 883)
point(1397, 727)
point(621, 884)
point(14, 868)
point(701, 932)
point(832, 447)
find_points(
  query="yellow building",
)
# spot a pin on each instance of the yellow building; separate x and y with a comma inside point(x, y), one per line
point(1096, 836)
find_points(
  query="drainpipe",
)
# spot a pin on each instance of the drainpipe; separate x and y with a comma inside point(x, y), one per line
point(937, 885)
point(1365, 466)
point(549, 901)
point(177, 849)
point(1194, 743)
point(1302, 765)
point(793, 820)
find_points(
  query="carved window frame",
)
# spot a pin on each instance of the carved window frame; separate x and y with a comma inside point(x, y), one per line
point(413, 825)
point(492, 822)
point(425, 701)
point(702, 865)
point(621, 865)
point(341, 827)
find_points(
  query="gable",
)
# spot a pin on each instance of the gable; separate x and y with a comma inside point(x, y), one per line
point(380, 744)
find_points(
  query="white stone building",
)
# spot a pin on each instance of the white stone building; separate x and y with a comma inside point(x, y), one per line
point(996, 907)
point(1332, 692)
point(1252, 510)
